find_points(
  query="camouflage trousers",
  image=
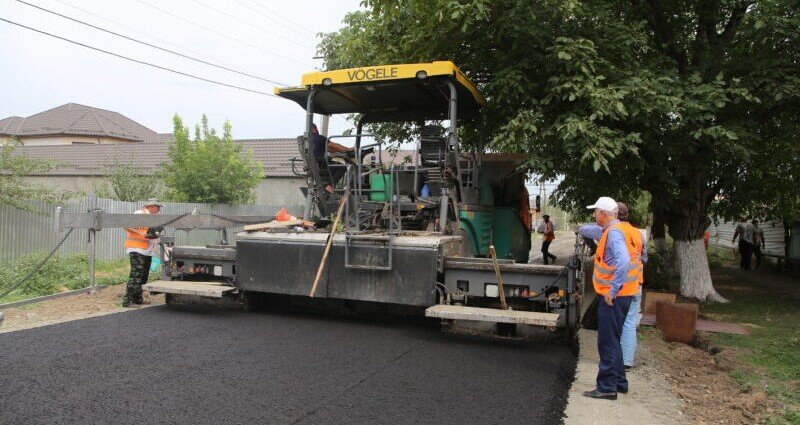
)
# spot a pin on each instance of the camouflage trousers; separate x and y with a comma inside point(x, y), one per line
point(140, 272)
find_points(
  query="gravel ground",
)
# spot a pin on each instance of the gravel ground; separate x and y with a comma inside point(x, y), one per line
point(162, 365)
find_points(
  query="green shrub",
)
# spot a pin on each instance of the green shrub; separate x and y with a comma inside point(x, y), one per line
point(656, 273)
point(58, 274)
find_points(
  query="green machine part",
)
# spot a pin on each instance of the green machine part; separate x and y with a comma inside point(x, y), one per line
point(381, 184)
point(511, 239)
point(476, 222)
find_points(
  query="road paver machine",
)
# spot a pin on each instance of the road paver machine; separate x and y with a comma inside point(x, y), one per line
point(416, 232)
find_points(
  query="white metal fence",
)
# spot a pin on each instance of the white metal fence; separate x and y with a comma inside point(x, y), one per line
point(25, 232)
point(721, 235)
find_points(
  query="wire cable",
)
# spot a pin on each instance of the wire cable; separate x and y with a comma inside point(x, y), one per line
point(252, 25)
point(271, 10)
point(127, 27)
point(38, 266)
point(150, 45)
point(294, 28)
point(238, 40)
point(137, 60)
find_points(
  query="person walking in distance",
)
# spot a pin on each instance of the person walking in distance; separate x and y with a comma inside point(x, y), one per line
point(616, 278)
point(140, 245)
point(759, 244)
point(745, 232)
point(548, 230)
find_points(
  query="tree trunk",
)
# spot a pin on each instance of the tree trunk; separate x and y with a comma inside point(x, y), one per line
point(692, 264)
point(687, 221)
point(659, 235)
point(787, 242)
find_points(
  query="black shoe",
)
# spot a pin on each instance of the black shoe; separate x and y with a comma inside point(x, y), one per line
point(622, 390)
point(628, 367)
point(138, 301)
point(600, 395)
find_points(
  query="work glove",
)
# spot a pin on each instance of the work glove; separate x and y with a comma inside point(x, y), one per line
point(153, 232)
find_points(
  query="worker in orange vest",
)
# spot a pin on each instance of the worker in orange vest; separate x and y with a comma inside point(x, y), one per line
point(140, 245)
point(549, 235)
point(616, 278)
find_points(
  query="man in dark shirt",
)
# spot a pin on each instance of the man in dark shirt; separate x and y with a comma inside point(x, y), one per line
point(759, 245)
point(745, 232)
point(318, 145)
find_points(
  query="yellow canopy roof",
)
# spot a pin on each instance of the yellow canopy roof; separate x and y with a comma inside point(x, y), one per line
point(403, 92)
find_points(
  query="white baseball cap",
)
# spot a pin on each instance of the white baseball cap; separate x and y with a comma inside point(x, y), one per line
point(604, 203)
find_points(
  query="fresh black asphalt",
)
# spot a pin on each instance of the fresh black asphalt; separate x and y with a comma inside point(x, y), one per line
point(166, 365)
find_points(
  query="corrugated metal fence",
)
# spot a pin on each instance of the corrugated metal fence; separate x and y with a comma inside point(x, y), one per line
point(722, 234)
point(25, 232)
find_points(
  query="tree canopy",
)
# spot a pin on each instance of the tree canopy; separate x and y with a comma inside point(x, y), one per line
point(17, 192)
point(209, 168)
point(687, 100)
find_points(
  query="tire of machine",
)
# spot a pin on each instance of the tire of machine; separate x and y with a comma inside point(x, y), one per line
point(569, 334)
point(506, 329)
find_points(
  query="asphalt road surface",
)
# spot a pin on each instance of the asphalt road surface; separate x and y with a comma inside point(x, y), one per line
point(162, 365)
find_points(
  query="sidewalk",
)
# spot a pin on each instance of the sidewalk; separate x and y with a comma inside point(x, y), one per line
point(650, 400)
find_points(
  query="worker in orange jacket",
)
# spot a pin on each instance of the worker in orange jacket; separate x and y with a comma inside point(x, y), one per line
point(616, 279)
point(140, 245)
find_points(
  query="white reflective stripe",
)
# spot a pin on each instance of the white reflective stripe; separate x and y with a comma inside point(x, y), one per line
point(601, 269)
point(602, 281)
point(600, 275)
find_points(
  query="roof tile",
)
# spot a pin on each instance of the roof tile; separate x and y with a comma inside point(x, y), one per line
point(75, 119)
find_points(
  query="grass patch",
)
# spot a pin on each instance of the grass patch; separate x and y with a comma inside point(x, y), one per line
point(59, 274)
point(719, 256)
point(772, 350)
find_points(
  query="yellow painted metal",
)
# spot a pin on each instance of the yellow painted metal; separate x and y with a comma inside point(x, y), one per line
point(385, 73)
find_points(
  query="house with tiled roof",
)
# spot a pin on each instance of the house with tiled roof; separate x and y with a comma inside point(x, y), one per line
point(75, 124)
point(83, 168)
point(84, 142)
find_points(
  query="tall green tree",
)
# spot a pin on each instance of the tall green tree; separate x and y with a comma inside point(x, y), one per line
point(677, 98)
point(14, 189)
point(209, 168)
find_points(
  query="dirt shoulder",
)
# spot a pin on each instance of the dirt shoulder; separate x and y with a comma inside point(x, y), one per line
point(703, 383)
point(105, 301)
point(740, 379)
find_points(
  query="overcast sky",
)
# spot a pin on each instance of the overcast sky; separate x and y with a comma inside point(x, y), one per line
point(274, 40)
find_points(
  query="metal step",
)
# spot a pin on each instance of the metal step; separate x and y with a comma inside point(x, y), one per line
point(185, 287)
point(457, 312)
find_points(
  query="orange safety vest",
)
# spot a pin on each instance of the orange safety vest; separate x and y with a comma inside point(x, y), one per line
point(604, 273)
point(549, 233)
point(136, 238)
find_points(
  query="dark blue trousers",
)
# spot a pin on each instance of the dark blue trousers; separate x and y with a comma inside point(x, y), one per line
point(610, 318)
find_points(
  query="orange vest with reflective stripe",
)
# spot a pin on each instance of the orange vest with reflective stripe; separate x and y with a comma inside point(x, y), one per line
point(136, 237)
point(604, 273)
point(634, 237)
